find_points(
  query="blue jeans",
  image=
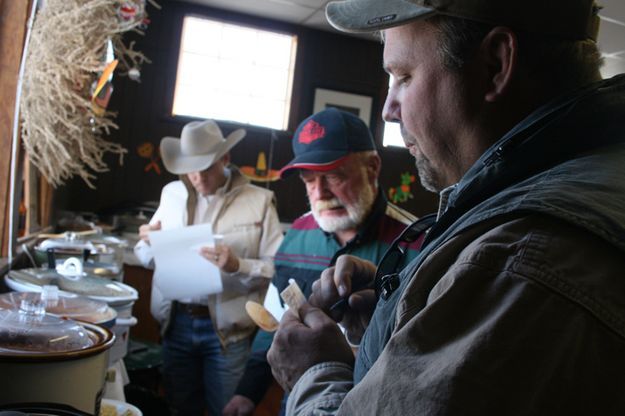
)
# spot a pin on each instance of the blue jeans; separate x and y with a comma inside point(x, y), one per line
point(197, 374)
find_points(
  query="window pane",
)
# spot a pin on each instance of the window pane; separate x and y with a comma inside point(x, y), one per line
point(392, 135)
point(201, 37)
point(274, 50)
point(392, 131)
point(268, 83)
point(234, 73)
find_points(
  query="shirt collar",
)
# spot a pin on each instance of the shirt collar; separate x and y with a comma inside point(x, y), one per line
point(444, 200)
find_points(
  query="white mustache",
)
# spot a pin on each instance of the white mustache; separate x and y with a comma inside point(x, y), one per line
point(328, 204)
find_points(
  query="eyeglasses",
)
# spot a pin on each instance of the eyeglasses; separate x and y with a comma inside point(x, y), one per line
point(387, 273)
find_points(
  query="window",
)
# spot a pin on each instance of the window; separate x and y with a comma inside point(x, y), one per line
point(392, 133)
point(235, 73)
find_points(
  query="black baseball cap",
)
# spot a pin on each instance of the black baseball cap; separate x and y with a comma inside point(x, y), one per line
point(323, 141)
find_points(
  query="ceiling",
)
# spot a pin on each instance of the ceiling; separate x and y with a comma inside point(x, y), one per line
point(310, 13)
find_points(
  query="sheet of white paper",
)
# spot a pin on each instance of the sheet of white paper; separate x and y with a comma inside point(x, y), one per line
point(180, 272)
point(217, 239)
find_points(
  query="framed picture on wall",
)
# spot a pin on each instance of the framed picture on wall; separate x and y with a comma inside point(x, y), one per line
point(359, 105)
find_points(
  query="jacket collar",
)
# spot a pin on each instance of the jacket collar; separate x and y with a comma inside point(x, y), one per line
point(563, 130)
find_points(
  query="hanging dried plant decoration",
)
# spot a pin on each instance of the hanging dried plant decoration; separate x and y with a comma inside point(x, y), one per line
point(61, 132)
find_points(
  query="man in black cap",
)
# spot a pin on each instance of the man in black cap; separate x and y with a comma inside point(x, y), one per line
point(338, 163)
point(516, 302)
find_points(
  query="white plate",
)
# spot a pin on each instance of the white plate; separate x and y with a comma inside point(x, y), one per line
point(120, 407)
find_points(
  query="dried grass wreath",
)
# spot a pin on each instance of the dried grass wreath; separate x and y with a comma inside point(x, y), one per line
point(62, 134)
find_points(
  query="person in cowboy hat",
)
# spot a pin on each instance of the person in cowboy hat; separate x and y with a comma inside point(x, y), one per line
point(206, 338)
point(516, 302)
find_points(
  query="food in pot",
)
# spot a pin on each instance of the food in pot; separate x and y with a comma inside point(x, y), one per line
point(107, 409)
point(28, 331)
point(110, 410)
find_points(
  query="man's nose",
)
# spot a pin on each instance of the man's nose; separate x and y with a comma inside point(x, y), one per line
point(391, 112)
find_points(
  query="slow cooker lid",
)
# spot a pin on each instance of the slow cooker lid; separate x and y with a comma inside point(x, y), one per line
point(86, 284)
point(30, 330)
point(74, 307)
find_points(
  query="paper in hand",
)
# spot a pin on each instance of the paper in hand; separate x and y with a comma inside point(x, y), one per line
point(180, 271)
point(292, 295)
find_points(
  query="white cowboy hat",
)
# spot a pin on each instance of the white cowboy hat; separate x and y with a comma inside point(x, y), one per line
point(201, 144)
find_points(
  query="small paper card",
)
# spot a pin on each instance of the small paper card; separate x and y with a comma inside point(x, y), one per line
point(292, 295)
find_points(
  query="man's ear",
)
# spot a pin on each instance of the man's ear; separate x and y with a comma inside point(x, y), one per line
point(499, 50)
point(374, 167)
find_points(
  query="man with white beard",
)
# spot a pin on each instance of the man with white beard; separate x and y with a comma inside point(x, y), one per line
point(338, 163)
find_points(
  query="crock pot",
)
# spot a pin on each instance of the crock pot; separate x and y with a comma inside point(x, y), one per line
point(102, 254)
point(47, 361)
point(73, 280)
point(78, 308)
point(67, 246)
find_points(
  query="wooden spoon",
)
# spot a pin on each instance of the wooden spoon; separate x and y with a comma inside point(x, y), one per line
point(261, 316)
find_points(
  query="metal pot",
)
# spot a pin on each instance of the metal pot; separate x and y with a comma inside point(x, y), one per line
point(102, 254)
point(49, 361)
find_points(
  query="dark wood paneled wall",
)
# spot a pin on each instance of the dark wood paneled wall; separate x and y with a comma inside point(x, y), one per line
point(324, 60)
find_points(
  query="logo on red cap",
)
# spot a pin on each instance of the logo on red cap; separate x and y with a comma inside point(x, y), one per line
point(311, 132)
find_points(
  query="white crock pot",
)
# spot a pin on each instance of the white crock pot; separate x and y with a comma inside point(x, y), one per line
point(72, 280)
point(49, 361)
point(102, 254)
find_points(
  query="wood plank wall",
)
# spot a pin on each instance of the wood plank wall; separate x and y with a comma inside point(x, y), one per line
point(13, 20)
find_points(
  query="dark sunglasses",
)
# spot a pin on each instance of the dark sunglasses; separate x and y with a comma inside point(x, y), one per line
point(387, 273)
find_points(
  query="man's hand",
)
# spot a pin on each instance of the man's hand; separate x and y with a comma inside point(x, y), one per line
point(145, 229)
point(341, 281)
point(239, 406)
point(221, 256)
point(304, 340)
